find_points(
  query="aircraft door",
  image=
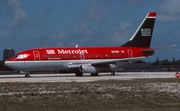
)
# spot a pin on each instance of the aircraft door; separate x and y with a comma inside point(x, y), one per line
point(36, 56)
point(82, 56)
point(130, 53)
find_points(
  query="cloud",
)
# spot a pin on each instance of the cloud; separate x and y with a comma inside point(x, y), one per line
point(168, 18)
point(170, 7)
point(83, 30)
point(135, 2)
point(80, 34)
point(124, 25)
point(169, 11)
point(120, 33)
point(80, 42)
point(5, 33)
point(96, 11)
point(62, 34)
point(18, 15)
point(43, 15)
point(57, 39)
point(15, 18)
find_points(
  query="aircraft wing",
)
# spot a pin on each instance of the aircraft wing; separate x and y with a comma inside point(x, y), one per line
point(106, 62)
point(117, 61)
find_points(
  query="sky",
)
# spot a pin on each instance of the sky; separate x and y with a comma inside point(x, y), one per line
point(26, 24)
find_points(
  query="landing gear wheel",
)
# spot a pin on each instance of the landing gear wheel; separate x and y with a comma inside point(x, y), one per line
point(27, 76)
point(112, 73)
point(94, 74)
point(79, 74)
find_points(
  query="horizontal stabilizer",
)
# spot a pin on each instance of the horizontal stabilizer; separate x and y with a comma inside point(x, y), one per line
point(159, 48)
point(148, 52)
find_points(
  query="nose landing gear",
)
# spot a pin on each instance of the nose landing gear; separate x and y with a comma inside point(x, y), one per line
point(27, 76)
point(112, 73)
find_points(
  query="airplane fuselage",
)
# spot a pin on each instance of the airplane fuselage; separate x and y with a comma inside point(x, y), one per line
point(51, 59)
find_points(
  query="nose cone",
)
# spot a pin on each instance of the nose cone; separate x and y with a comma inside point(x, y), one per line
point(13, 64)
point(8, 64)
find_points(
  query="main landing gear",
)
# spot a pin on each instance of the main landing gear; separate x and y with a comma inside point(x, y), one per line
point(112, 73)
point(27, 75)
point(94, 74)
point(79, 74)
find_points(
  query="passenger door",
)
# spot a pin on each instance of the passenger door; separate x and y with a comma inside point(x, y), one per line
point(36, 56)
point(130, 53)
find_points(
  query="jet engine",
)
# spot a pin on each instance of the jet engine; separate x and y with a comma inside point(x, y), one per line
point(93, 69)
point(87, 69)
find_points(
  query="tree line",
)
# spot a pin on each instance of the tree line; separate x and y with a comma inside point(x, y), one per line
point(166, 62)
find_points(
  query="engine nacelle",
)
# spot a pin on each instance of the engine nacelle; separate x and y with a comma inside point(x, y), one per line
point(93, 69)
point(87, 69)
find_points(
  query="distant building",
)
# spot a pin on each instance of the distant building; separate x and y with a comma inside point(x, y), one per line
point(8, 53)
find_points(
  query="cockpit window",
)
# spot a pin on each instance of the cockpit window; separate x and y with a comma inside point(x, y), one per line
point(21, 56)
point(15, 56)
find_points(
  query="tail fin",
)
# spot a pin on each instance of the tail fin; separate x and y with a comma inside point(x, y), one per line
point(142, 36)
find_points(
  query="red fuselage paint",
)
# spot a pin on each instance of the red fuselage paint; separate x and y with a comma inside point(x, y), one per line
point(84, 53)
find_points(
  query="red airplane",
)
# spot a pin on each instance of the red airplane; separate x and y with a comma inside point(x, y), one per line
point(91, 60)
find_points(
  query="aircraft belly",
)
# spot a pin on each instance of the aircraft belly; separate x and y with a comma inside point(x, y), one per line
point(38, 66)
point(46, 66)
point(15, 64)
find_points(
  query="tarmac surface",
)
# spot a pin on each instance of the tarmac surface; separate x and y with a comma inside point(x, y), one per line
point(19, 78)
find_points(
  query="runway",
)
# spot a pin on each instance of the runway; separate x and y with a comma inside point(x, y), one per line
point(16, 78)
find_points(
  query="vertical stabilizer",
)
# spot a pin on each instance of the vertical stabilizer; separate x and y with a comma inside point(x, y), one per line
point(142, 36)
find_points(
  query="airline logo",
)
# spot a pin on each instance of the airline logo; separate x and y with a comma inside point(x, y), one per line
point(78, 51)
point(146, 32)
point(50, 51)
point(63, 51)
